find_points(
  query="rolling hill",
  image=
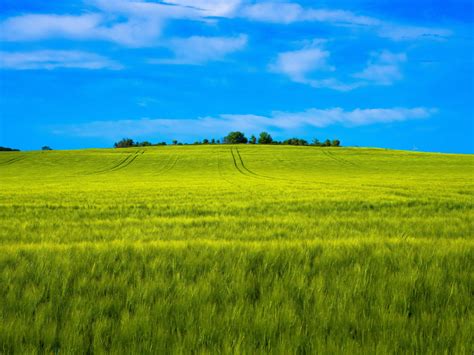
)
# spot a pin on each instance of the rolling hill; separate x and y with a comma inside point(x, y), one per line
point(236, 249)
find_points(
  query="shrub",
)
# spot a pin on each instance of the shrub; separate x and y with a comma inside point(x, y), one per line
point(235, 138)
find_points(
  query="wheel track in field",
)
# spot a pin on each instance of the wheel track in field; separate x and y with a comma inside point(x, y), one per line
point(168, 166)
point(337, 159)
point(243, 171)
point(12, 161)
point(265, 177)
point(120, 165)
point(219, 169)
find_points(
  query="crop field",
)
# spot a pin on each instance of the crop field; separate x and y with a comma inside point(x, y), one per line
point(236, 249)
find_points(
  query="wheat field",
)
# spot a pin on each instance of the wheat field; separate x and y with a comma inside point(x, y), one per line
point(236, 249)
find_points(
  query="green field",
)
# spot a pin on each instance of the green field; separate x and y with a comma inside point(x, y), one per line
point(236, 249)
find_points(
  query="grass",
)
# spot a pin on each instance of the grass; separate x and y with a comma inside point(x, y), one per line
point(236, 249)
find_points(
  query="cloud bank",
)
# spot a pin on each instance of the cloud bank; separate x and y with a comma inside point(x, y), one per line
point(218, 126)
point(55, 59)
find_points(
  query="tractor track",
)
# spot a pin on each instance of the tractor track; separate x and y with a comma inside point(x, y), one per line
point(219, 169)
point(12, 161)
point(264, 177)
point(168, 166)
point(237, 166)
point(337, 159)
point(120, 165)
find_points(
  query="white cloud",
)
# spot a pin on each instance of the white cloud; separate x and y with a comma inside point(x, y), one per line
point(286, 13)
point(307, 66)
point(218, 8)
point(55, 59)
point(129, 23)
point(301, 66)
point(133, 32)
point(199, 50)
point(216, 126)
point(298, 64)
point(383, 68)
point(37, 27)
point(406, 32)
point(140, 23)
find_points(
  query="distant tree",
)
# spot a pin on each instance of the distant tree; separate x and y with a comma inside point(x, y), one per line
point(235, 138)
point(143, 144)
point(295, 141)
point(205, 141)
point(265, 138)
point(218, 141)
point(252, 139)
point(316, 142)
point(213, 141)
point(46, 148)
point(175, 141)
point(327, 143)
point(124, 143)
point(336, 143)
point(6, 149)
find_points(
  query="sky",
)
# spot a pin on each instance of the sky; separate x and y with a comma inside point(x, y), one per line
point(380, 73)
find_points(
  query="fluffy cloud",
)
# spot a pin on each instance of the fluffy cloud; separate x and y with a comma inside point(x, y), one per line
point(298, 64)
point(199, 50)
point(216, 126)
point(37, 27)
point(140, 23)
point(54, 59)
point(408, 33)
point(286, 13)
point(307, 65)
point(218, 8)
point(383, 68)
point(129, 23)
point(302, 65)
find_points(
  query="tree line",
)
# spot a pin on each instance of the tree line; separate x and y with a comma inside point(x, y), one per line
point(6, 149)
point(237, 137)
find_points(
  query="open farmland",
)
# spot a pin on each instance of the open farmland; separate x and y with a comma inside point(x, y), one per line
point(239, 249)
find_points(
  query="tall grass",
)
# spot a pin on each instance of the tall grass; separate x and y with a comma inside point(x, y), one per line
point(236, 250)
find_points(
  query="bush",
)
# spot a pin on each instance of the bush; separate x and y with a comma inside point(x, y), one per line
point(124, 143)
point(235, 138)
point(295, 141)
point(265, 138)
point(6, 149)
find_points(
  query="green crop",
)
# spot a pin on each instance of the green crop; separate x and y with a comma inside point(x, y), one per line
point(236, 249)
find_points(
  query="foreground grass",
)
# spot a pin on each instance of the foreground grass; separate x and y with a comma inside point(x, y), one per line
point(225, 249)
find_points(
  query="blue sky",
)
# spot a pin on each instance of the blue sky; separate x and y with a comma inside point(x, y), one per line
point(395, 74)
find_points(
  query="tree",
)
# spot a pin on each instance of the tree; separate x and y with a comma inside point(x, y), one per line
point(336, 143)
point(235, 138)
point(327, 143)
point(205, 141)
point(295, 141)
point(265, 138)
point(213, 141)
point(6, 149)
point(46, 148)
point(175, 141)
point(316, 142)
point(124, 143)
point(253, 139)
